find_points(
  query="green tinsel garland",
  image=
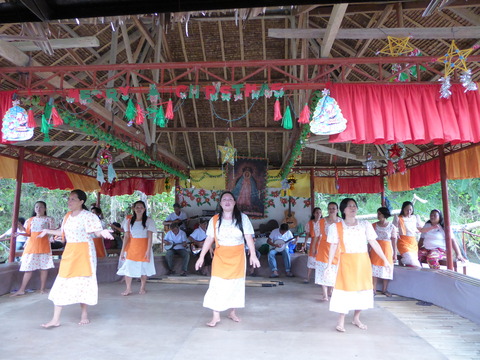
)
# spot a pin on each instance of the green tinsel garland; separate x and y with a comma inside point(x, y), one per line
point(101, 135)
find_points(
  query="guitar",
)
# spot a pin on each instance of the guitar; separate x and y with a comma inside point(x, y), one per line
point(172, 244)
point(283, 244)
point(166, 226)
point(290, 216)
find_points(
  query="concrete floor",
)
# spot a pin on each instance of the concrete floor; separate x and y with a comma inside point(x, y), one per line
point(283, 322)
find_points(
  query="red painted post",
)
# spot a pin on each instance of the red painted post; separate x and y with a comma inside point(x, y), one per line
point(446, 208)
point(16, 204)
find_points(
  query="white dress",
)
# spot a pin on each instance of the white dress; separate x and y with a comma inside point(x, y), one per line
point(311, 261)
point(32, 262)
point(81, 289)
point(384, 235)
point(355, 240)
point(223, 294)
point(133, 268)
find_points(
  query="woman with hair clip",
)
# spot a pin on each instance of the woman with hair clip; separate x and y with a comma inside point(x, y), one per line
point(408, 225)
point(323, 250)
point(229, 229)
point(432, 243)
point(312, 231)
point(76, 281)
point(353, 285)
point(386, 238)
point(37, 254)
point(137, 248)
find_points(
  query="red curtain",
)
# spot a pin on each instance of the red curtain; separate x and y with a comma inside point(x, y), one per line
point(387, 114)
point(128, 186)
point(45, 177)
point(360, 185)
point(425, 174)
point(5, 104)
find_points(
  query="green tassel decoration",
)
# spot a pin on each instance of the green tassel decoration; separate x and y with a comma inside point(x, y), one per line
point(130, 113)
point(48, 111)
point(160, 118)
point(287, 119)
point(45, 128)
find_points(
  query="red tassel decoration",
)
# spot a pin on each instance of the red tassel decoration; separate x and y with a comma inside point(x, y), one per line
point(390, 168)
point(57, 120)
point(140, 115)
point(401, 166)
point(277, 115)
point(304, 115)
point(31, 119)
point(169, 112)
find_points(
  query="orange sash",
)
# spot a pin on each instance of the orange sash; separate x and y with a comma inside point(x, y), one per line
point(324, 246)
point(387, 249)
point(100, 247)
point(354, 270)
point(407, 244)
point(228, 261)
point(401, 225)
point(37, 245)
point(75, 260)
point(315, 240)
point(136, 249)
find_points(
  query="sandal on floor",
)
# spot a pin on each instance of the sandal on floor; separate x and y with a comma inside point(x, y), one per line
point(387, 294)
point(339, 328)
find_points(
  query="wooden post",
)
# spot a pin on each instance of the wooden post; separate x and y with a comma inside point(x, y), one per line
point(312, 190)
point(16, 205)
point(99, 195)
point(177, 186)
point(446, 209)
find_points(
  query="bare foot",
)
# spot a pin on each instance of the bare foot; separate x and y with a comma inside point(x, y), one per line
point(142, 292)
point(18, 293)
point(43, 292)
point(84, 321)
point(325, 298)
point(213, 322)
point(340, 328)
point(50, 324)
point(234, 317)
point(359, 324)
point(126, 293)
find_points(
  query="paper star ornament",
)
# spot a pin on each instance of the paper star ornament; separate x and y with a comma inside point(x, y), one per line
point(455, 59)
point(397, 46)
point(227, 153)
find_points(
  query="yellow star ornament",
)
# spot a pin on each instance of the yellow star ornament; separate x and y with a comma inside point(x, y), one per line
point(455, 59)
point(397, 46)
point(227, 153)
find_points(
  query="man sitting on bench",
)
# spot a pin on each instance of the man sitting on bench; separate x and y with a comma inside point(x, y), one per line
point(278, 239)
point(175, 242)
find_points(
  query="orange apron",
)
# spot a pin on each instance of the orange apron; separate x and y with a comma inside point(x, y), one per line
point(354, 270)
point(387, 249)
point(75, 261)
point(100, 247)
point(314, 241)
point(323, 248)
point(406, 243)
point(35, 244)
point(228, 261)
point(136, 249)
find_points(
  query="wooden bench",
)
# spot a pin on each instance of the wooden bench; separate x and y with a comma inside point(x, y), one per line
point(59, 252)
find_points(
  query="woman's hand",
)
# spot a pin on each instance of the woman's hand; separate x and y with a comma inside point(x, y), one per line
point(122, 255)
point(199, 263)
point(147, 255)
point(254, 262)
point(44, 232)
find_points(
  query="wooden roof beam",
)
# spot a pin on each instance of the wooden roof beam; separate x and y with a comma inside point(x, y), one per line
point(333, 27)
point(343, 154)
point(71, 43)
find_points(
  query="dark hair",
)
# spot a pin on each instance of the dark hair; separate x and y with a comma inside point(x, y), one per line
point(333, 203)
point(343, 205)
point(81, 196)
point(144, 216)
point(237, 214)
point(440, 215)
point(97, 210)
point(177, 205)
point(284, 227)
point(21, 220)
point(39, 202)
point(404, 205)
point(384, 211)
point(313, 213)
point(203, 221)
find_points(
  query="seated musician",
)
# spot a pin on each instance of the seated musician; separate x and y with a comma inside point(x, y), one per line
point(278, 239)
point(197, 239)
point(176, 242)
point(178, 216)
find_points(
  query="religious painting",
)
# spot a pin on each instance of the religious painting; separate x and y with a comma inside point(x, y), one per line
point(247, 181)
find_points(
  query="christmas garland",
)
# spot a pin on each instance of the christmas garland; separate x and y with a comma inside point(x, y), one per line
point(101, 135)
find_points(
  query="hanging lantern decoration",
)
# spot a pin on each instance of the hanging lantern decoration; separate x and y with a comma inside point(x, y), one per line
point(370, 164)
point(15, 124)
point(327, 118)
point(227, 153)
point(105, 162)
point(395, 154)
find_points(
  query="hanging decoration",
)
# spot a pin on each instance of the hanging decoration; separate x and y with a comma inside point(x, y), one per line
point(57, 120)
point(455, 59)
point(227, 153)
point(397, 46)
point(466, 80)
point(160, 118)
point(105, 162)
point(169, 112)
point(445, 92)
point(395, 154)
point(277, 114)
point(327, 118)
point(31, 123)
point(287, 119)
point(15, 124)
point(153, 94)
point(140, 115)
point(304, 115)
point(370, 164)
